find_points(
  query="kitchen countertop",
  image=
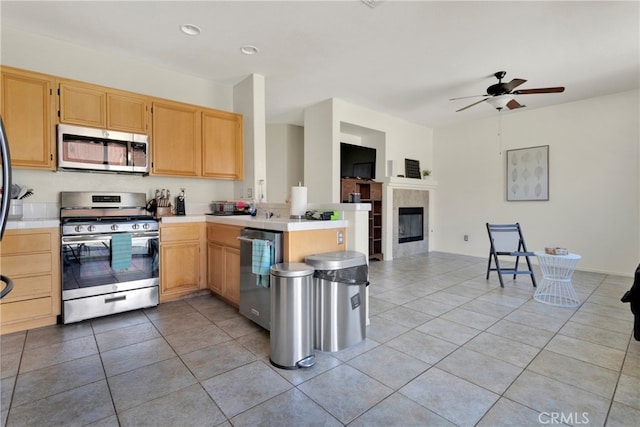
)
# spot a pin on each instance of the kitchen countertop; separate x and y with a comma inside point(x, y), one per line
point(277, 224)
point(27, 223)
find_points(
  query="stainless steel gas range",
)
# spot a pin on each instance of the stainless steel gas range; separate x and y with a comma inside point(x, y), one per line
point(109, 254)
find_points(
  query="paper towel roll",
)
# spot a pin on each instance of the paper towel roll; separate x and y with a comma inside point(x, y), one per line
point(298, 201)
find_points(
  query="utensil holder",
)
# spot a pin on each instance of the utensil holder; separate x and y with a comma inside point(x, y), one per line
point(15, 209)
point(163, 211)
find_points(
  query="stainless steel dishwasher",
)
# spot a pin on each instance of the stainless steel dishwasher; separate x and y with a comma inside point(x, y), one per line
point(255, 296)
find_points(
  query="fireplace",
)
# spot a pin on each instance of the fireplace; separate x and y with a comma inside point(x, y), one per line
point(410, 224)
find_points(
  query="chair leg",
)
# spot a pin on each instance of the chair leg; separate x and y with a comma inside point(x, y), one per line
point(533, 276)
point(516, 268)
point(498, 270)
point(489, 265)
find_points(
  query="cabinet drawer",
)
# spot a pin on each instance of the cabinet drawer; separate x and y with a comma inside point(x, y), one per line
point(26, 243)
point(30, 287)
point(226, 235)
point(17, 265)
point(178, 233)
point(26, 310)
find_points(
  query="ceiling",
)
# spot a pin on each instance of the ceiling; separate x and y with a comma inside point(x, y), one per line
point(406, 59)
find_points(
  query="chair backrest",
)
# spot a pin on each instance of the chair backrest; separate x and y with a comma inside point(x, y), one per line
point(506, 237)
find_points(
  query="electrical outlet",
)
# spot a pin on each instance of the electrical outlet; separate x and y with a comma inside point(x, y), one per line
point(340, 237)
point(466, 237)
point(249, 192)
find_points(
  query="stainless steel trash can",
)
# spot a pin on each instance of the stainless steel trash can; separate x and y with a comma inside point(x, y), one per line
point(291, 330)
point(339, 286)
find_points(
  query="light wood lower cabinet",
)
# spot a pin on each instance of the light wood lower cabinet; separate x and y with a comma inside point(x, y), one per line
point(223, 261)
point(31, 258)
point(300, 244)
point(181, 260)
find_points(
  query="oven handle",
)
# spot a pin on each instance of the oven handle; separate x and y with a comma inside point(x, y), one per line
point(107, 238)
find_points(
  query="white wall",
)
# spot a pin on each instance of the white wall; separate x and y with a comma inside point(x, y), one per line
point(285, 160)
point(320, 159)
point(594, 202)
point(249, 101)
point(50, 56)
point(326, 122)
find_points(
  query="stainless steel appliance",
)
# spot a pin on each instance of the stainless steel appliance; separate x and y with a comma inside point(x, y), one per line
point(109, 254)
point(102, 150)
point(6, 198)
point(255, 297)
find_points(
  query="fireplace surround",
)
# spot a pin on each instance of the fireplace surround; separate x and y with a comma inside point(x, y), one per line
point(411, 199)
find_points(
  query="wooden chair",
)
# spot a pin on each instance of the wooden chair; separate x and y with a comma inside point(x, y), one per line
point(507, 240)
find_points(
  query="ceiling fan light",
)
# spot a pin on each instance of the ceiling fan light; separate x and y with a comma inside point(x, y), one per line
point(499, 102)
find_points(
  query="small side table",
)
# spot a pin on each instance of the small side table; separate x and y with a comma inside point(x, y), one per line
point(556, 287)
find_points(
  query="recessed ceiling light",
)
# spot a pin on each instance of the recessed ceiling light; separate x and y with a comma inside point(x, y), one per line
point(371, 3)
point(249, 50)
point(190, 29)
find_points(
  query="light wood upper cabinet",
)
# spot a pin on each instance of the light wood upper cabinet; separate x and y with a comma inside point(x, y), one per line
point(176, 139)
point(90, 105)
point(83, 104)
point(126, 112)
point(28, 112)
point(222, 145)
point(191, 141)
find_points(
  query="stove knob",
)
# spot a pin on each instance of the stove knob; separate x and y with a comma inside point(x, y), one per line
point(78, 228)
point(145, 226)
point(135, 226)
point(114, 227)
point(91, 228)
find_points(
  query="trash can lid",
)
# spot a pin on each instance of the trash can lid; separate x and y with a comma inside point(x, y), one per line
point(291, 269)
point(336, 260)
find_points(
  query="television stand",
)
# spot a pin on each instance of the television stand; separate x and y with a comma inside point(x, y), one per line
point(370, 192)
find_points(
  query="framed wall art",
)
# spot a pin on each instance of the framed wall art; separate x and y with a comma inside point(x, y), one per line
point(528, 173)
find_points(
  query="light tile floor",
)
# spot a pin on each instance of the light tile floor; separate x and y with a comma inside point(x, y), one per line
point(445, 347)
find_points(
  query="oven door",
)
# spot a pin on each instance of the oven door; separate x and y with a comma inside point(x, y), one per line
point(87, 265)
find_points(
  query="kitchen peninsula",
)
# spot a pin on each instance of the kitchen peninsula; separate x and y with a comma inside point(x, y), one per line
point(199, 253)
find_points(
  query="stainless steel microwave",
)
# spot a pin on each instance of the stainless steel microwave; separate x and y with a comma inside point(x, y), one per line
point(90, 149)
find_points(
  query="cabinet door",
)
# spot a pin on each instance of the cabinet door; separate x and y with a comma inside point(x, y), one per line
point(83, 104)
point(180, 268)
point(28, 112)
point(215, 267)
point(222, 145)
point(232, 274)
point(127, 112)
point(175, 139)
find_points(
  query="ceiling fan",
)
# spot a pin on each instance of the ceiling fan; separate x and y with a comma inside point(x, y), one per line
point(500, 94)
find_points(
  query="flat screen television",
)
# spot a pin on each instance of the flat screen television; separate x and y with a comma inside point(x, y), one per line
point(357, 161)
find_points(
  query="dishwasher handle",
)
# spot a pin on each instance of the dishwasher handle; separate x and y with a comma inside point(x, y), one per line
point(249, 239)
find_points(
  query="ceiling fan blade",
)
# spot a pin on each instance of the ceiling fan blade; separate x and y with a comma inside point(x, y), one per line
point(466, 97)
point(513, 84)
point(471, 105)
point(513, 104)
point(539, 90)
